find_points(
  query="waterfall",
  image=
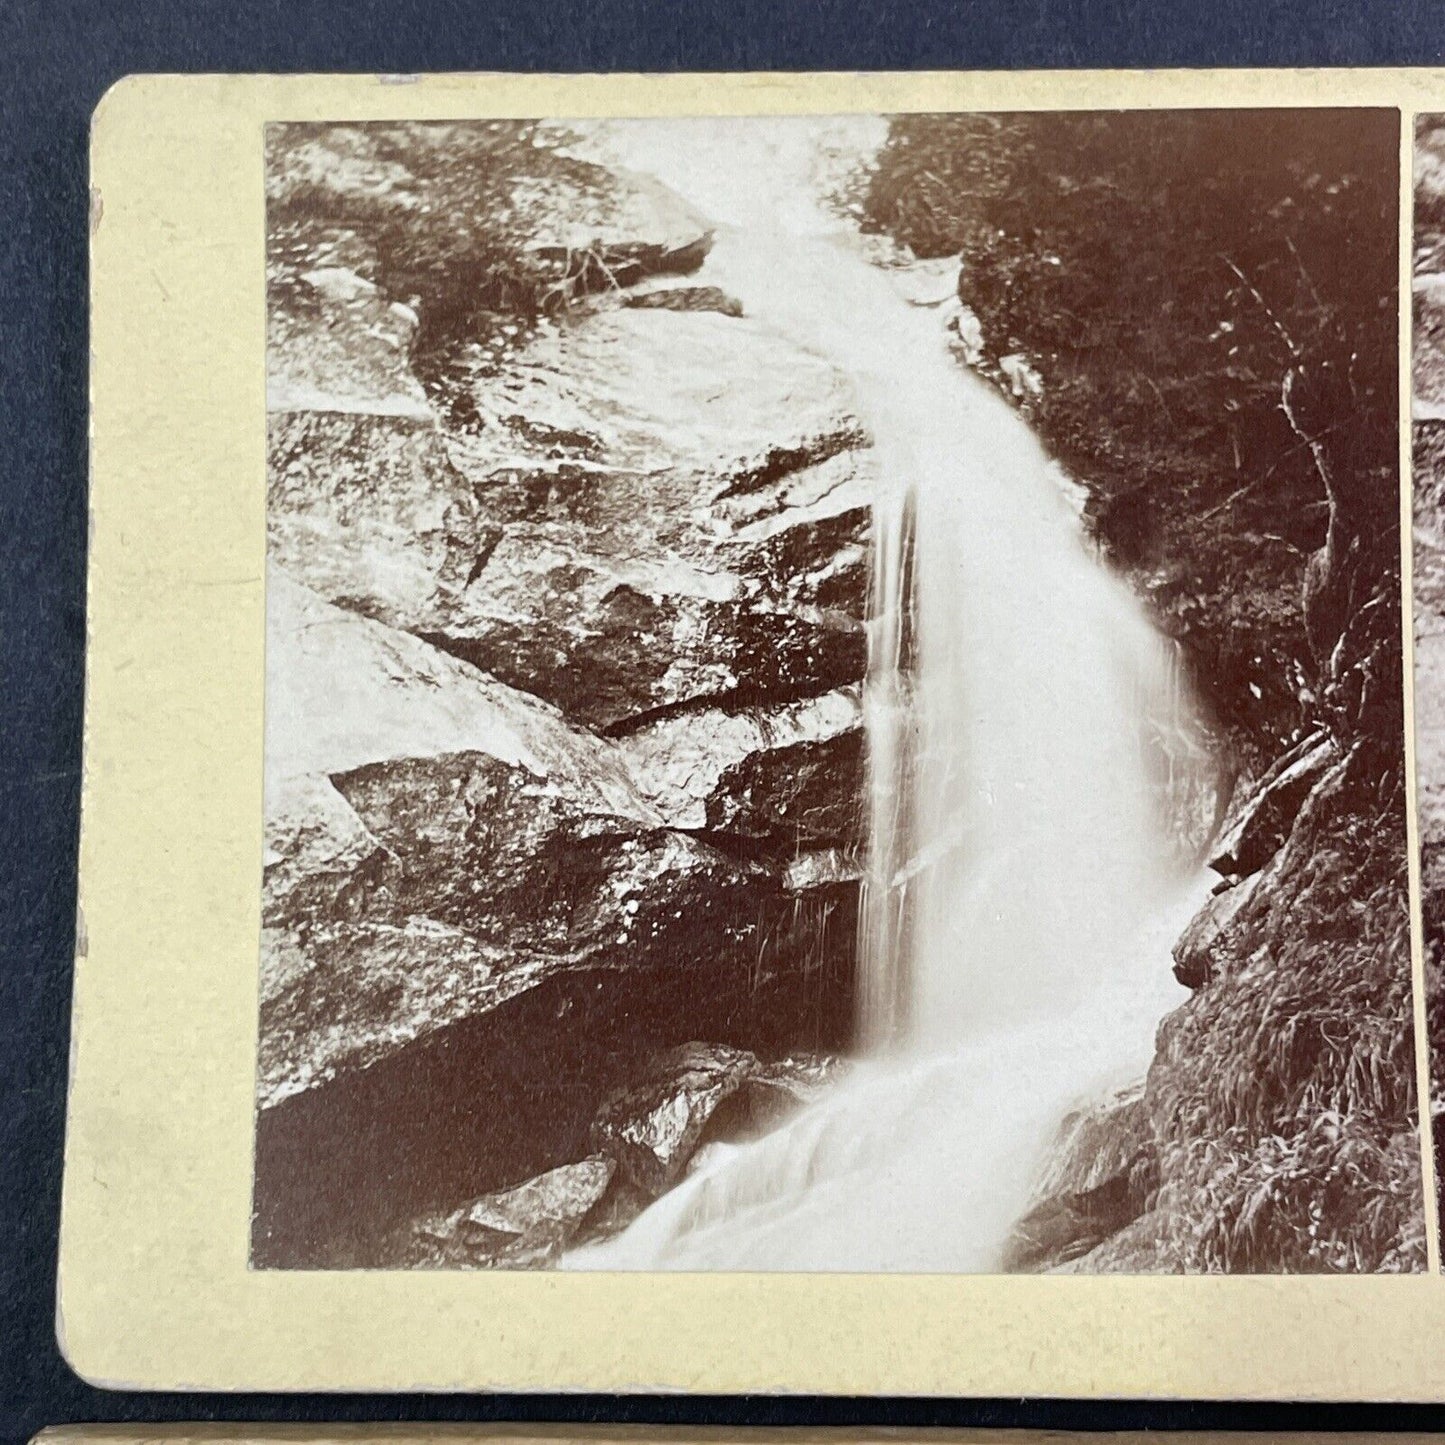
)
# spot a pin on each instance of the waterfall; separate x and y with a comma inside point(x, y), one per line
point(1021, 887)
point(892, 767)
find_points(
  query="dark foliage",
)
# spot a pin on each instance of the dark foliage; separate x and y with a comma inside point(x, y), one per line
point(1167, 273)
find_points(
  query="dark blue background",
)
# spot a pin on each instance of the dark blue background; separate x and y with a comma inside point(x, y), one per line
point(57, 60)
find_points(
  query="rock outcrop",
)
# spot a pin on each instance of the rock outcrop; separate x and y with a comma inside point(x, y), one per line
point(517, 1228)
point(696, 1095)
point(595, 543)
point(1276, 1122)
point(644, 1139)
point(1277, 1128)
point(565, 639)
point(1099, 1178)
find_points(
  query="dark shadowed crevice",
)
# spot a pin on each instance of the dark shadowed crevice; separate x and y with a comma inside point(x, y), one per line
point(505, 1095)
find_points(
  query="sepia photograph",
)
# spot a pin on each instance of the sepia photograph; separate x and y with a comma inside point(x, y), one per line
point(1428, 448)
point(835, 694)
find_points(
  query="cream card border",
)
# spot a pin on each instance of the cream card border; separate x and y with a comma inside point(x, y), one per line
point(154, 1285)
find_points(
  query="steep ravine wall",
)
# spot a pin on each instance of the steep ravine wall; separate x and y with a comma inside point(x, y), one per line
point(564, 743)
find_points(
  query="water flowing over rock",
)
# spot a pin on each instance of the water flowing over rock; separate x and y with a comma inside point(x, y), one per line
point(440, 848)
point(691, 1095)
point(1009, 801)
point(682, 669)
point(1099, 1179)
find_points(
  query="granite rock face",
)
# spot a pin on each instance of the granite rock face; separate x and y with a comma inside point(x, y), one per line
point(612, 539)
point(565, 640)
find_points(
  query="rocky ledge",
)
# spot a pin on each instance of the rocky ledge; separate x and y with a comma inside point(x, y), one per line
point(1251, 1138)
point(563, 732)
point(645, 1138)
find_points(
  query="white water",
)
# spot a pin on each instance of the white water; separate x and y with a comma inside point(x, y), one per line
point(1020, 897)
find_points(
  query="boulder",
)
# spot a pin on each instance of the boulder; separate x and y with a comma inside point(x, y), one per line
point(1098, 1179)
point(821, 869)
point(591, 538)
point(525, 1226)
point(654, 1127)
point(793, 773)
point(694, 1095)
point(438, 843)
point(373, 938)
point(641, 227)
point(1196, 952)
point(438, 196)
point(1257, 832)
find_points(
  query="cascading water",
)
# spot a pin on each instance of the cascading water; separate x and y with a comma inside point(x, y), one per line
point(1021, 891)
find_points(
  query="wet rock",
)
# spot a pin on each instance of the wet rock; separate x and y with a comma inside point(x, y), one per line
point(819, 869)
point(344, 691)
point(487, 847)
point(632, 656)
point(372, 938)
point(471, 881)
point(805, 794)
point(698, 1094)
point(1263, 824)
point(813, 556)
point(1198, 947)
point(527, 1225)
point(654, 1127)
point(686, 298)
point(565, 637)
point(576, 529)
point(632, 225)
point(363, 508)
point(593, 537)
point(777, 1090)
point(1024, 381)
point(793, 773)
point(438, 843)
point(1099, 1178)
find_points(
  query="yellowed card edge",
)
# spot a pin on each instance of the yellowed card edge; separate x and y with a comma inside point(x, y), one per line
point(196, 1316)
